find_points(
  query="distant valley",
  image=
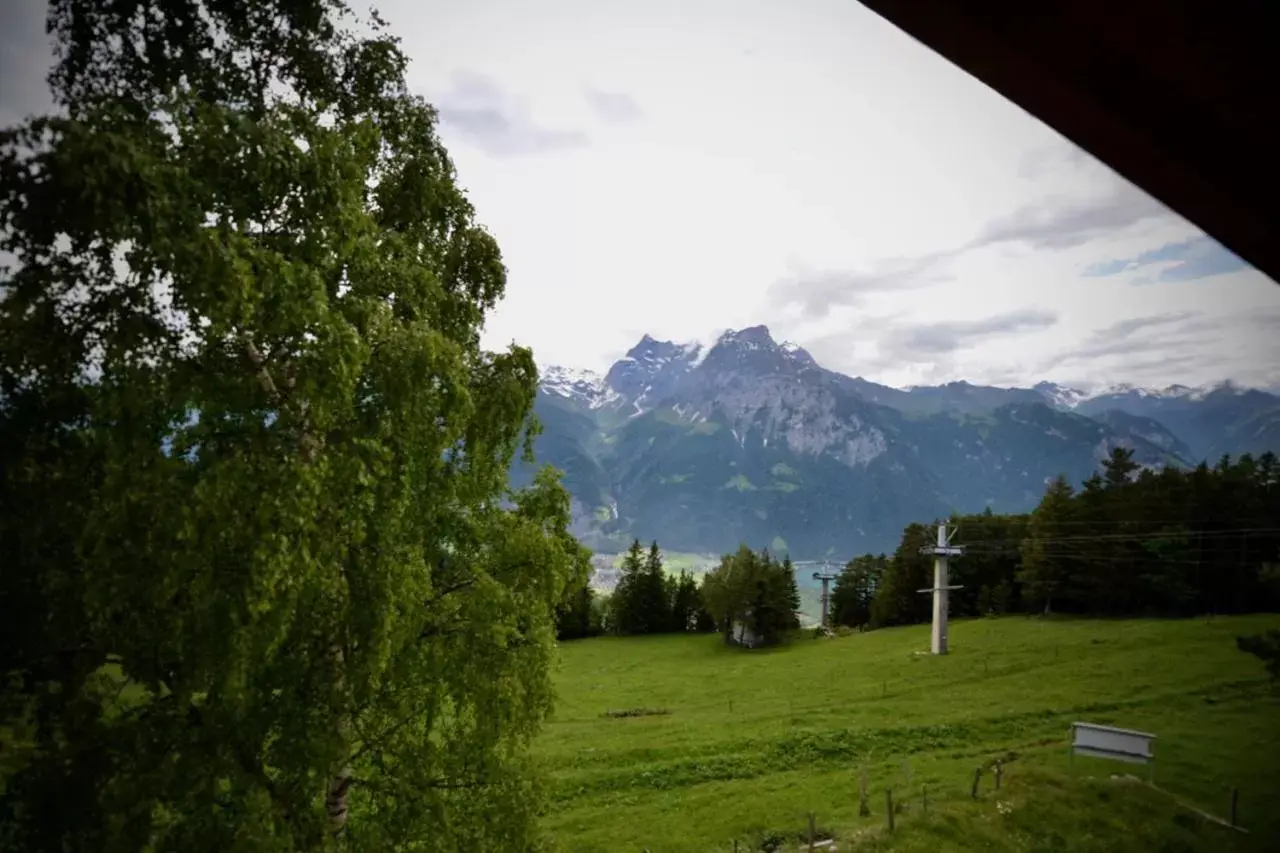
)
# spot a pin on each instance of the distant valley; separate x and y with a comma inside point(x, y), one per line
point(751, 440)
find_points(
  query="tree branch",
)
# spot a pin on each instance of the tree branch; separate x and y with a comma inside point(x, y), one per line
point(457, 587)
point(436, 630)
point(308, 443)
point(259, 362)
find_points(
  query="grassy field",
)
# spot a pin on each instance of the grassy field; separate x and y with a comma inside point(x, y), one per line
point(748, 743)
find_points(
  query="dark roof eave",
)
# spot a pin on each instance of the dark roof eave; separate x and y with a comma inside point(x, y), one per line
point(1190, 119)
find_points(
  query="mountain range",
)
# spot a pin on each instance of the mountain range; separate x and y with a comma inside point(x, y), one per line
point(749, 440)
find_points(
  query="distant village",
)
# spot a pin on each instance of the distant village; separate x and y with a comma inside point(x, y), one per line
point(605, 576)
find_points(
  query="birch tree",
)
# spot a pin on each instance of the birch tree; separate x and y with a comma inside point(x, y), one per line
point(264, 586)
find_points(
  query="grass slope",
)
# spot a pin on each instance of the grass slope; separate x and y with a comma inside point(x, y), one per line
point(753, 741)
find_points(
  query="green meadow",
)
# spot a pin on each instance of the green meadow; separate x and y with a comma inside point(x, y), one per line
point(725, 744)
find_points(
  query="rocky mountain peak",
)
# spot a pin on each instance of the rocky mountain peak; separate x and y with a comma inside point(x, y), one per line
point(754, 349)
point(798, 354)
point(751, 336)
point(585, 387)
point(651, 349)
point(1059, 396)
point(650, 369)
point(748, 440)
point(655, 370)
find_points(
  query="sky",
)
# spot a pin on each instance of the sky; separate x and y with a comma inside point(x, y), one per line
point(680, 168)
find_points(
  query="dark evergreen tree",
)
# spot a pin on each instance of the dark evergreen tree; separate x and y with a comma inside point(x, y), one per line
point(578, 616)
point(626, 603)
point(990, 561)
point(897, 601)
point(1045, 573)
point(653, 595)
point(1118, 469)
point(704, 622)
point(686, 603)
point(790, 616)
point(643, 596)
point(855, 589)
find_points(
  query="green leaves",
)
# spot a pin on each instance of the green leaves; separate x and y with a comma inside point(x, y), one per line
point(254, 457)
point(752, 597)
point(854, 590)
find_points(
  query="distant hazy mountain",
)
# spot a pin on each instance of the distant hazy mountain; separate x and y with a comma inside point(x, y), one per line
point(1148, 429)
point(751, 440)
point(1210, 420)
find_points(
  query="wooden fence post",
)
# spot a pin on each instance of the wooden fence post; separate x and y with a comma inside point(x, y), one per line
point(977, 777)
point(888, 799)
point(813, 834)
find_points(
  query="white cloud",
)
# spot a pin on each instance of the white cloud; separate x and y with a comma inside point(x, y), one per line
point(808, 166)
point(25, 57)
point(496, 122)
point(618, 107)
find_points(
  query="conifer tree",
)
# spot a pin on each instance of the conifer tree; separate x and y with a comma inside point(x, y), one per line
point(628, 594)
point(654, 603)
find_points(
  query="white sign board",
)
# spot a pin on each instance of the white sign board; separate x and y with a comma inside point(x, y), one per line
point(1110, 742)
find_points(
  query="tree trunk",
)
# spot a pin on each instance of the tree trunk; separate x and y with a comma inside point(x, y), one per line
point(335, 799)
point(337, 791)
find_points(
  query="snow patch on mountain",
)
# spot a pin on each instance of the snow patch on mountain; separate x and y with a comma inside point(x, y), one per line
point(1060, 396)
point(747, 339)
point(1205, 390)
point(1069, 398)
point(1170, 392)
point(584, 386)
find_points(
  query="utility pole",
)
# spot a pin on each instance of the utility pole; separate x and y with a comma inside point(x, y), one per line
point(941, 590)
point(826, 576)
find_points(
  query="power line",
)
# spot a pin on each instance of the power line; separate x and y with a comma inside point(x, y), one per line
point(1097, 537)
point(1053, 544)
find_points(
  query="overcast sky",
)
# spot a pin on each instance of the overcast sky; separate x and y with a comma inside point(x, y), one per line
point(676, 168)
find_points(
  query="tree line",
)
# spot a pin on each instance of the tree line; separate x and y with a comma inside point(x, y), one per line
point(646, 600)
point(751, 598)
point(1128, 542)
